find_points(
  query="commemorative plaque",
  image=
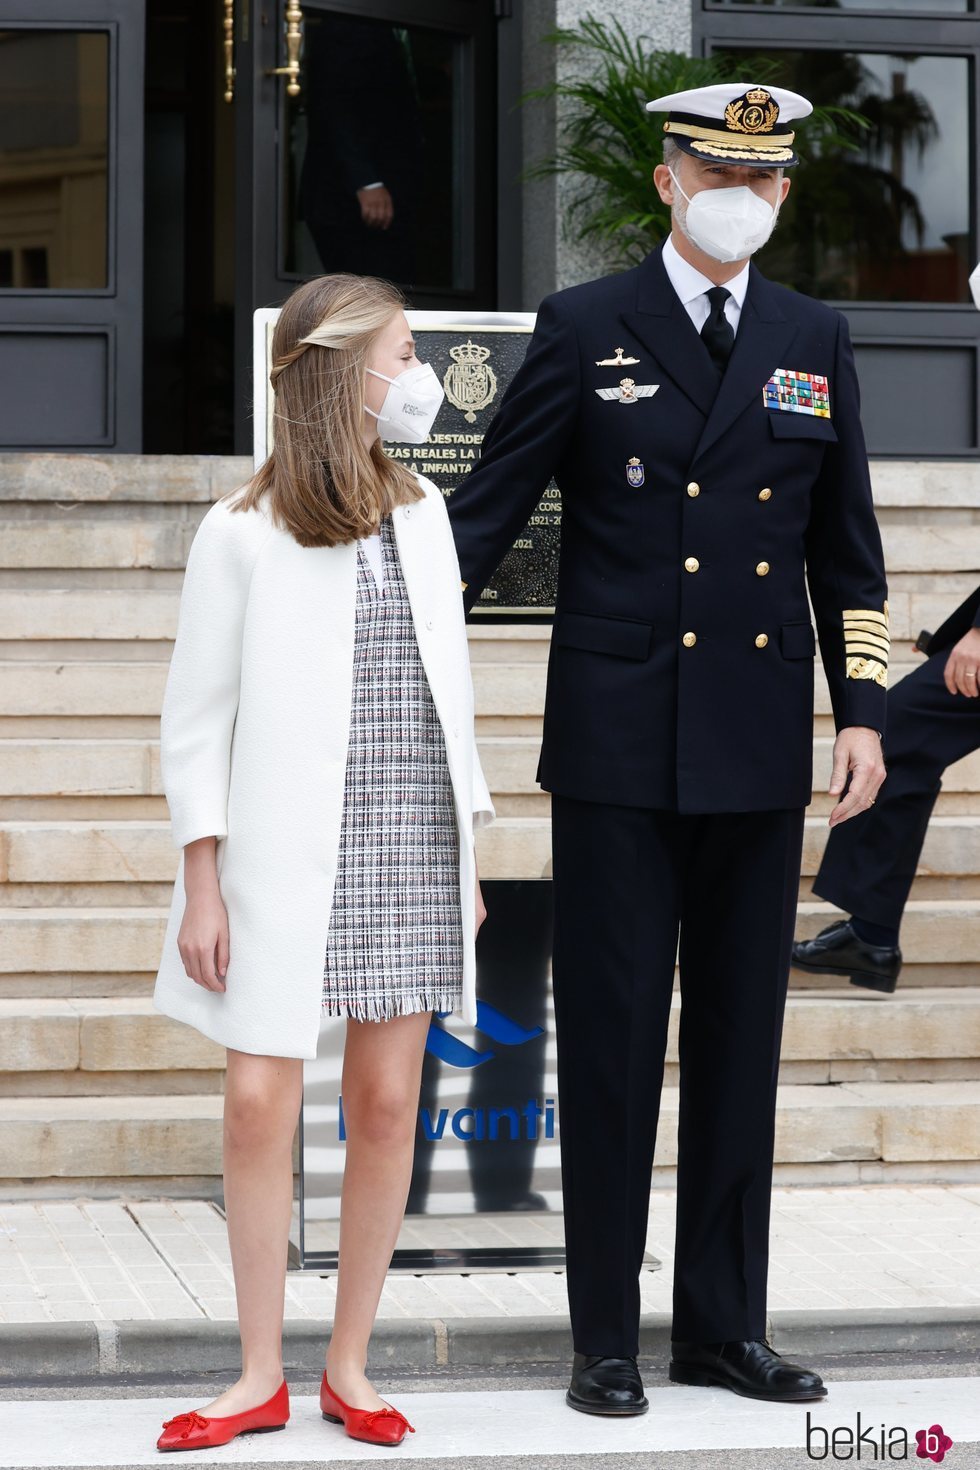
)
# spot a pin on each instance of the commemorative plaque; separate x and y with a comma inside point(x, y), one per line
point(475, 355)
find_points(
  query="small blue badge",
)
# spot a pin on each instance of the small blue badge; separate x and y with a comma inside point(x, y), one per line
point(634, 473)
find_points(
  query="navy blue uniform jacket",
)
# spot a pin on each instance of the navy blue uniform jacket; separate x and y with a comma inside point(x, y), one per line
point(682, 652)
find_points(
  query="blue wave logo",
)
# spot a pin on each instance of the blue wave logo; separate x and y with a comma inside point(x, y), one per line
point(490, 1022)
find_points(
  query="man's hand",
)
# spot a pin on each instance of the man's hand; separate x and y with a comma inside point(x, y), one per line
point(960, 673)
point(857, 749)
point(377, 207)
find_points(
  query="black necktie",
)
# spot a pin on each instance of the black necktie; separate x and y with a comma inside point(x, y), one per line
point(718, 334)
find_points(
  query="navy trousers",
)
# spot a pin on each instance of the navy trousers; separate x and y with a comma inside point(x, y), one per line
point(626, 881)
point(870, 861)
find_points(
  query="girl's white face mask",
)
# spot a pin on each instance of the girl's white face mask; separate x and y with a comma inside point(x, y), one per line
point(727, 224)
point(411, 404)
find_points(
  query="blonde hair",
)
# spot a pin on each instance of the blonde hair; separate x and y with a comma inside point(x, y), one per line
point(323, 484)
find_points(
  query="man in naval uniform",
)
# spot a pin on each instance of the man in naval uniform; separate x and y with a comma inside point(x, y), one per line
point(868, 866)
point(702, 425)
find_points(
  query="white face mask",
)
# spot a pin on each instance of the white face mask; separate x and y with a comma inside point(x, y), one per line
point(410, 406)
point(727, 224)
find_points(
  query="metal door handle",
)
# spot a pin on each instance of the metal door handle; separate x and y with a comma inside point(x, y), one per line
point(294, 42)
point(229, 29)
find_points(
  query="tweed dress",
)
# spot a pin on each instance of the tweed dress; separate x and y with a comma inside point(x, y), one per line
point(394, 944)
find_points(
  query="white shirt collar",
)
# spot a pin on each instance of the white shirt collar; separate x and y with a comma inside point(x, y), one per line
point(690, 283)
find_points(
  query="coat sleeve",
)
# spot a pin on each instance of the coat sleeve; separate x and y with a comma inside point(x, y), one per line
point(845, 564)
point(521, 451)
point(200, 699)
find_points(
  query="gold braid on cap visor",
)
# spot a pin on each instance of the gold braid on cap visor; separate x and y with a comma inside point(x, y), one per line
point(776, 147)
point(866, 643)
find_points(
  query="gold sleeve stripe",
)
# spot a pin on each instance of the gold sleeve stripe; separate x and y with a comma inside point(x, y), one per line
point(876, 640)
point(865, 614)
point(866, 643)
point(866, 626)
point(866, 650)
point(867, 668)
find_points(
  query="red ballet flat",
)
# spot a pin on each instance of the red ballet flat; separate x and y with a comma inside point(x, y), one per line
point(374, 1426)
point(196, 1431)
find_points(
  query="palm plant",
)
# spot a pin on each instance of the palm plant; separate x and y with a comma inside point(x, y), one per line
point(609, 143)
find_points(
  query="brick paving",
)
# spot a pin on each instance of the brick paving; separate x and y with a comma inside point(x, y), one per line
point(879, 1246)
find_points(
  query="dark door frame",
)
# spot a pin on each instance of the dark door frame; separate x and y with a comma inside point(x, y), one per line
point(115, 310)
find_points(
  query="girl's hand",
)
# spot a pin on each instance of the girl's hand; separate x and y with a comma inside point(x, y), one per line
point(481, 911)
point(203, 936)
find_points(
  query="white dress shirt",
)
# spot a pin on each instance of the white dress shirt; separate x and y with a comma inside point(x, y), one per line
point(691, 285)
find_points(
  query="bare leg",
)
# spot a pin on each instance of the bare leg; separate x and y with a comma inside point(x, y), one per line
point(262, 1102)
point(381, 1082)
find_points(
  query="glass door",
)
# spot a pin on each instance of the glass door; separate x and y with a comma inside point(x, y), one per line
point(366, 142)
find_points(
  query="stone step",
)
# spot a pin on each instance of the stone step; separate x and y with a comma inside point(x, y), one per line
point(135, 687)
point(86, 687)
point(140, 851)
point(129, 939)
point(41, 766)
point(112, 686)
point(127, 766)
point(50, 480)
point(159, 536)
point(135, 614)
point(62, 479)
point(32, 613)
point(36, 940)
point(932, 1124)
point(155, 540)
point(834, 1033)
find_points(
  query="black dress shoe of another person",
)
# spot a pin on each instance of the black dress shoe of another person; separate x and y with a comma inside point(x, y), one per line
point(837, 950)
point(606, 1386)
point(750, 1368)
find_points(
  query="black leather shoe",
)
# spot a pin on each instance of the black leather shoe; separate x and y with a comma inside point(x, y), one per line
point(606, 1386)
point(838, 951)
point(752, 1369)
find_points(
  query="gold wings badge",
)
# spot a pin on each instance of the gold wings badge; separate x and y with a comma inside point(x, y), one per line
point(628, 391)
point(618, 361)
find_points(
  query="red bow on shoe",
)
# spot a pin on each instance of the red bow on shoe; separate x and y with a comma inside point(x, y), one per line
point(386, 1413)
point(187, 1422)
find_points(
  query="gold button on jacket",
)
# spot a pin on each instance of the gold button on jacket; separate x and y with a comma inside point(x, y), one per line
point(762, 568)
point(765, 494)
point(761, 640)
point(694, 488)
point(692, 564)
point(689, 640)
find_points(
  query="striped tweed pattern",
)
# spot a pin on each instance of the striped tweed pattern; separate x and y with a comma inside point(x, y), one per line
point(395, 940)
point(866, 643)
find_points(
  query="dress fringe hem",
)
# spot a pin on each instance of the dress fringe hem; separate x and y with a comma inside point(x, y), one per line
point(386, 1008)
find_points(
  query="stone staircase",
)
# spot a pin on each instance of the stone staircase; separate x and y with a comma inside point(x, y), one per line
point(99, 1093)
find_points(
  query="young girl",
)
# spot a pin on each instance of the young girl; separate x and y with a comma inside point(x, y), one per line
point(320, 766)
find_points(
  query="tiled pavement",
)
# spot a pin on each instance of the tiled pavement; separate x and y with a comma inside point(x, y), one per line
point(851, 1248)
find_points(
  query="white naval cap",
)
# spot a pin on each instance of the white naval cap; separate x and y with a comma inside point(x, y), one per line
point(734, 122)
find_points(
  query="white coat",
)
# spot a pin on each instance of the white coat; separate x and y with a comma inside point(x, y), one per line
point(253, 748)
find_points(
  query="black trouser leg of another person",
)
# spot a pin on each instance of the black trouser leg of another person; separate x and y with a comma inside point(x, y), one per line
point(870, 861)
point(623, 878)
